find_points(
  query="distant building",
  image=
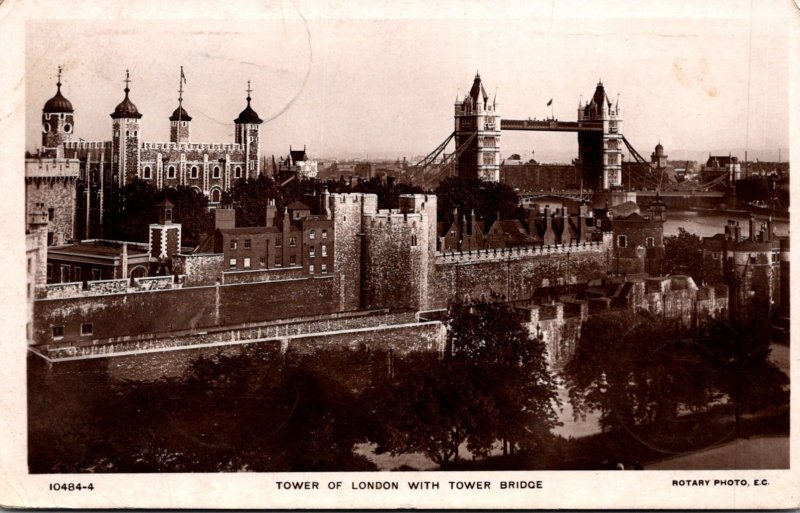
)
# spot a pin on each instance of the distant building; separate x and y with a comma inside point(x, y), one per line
point(542, 227)
point(638, 240)
point(294, 240)
point(754, 267)
point(720, 164)
point(297, 162)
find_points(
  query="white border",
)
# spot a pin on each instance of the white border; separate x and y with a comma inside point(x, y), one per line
point(561, 489)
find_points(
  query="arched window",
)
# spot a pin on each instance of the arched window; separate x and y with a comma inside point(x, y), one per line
point(45, 127)
point(215, 195)
point(194, 173)
point(414, 239)
point(67, 128)
point(146, 173)
point(237, 172)
point(171, 172)
point(216, 172)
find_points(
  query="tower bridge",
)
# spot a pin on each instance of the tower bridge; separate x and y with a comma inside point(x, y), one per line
point(478, 128)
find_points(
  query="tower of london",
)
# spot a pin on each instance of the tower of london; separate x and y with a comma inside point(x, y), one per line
point(209, 168)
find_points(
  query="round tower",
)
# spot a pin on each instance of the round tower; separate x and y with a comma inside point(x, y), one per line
point(125, 147)
point(247, 134)
point(58, 122)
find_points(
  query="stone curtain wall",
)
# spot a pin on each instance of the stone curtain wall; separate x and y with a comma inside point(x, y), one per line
point(513, 276)
point(56, 193)
point(134, 313)
point(400, 338)
point(199, 269)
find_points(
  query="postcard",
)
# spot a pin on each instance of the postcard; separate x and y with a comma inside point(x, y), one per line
point(366, 255)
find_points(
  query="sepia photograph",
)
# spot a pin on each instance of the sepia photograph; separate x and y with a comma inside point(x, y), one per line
point(421, 252)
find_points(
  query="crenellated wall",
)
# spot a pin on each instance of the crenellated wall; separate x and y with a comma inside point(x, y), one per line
point(514, 273)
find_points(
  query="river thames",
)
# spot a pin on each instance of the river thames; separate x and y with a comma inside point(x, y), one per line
point(707, 224)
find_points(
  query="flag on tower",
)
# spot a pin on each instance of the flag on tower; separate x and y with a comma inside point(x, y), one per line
point(183, 77)
point(550, 102)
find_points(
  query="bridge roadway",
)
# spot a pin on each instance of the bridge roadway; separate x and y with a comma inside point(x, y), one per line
point(550, 125)
point(586, 194)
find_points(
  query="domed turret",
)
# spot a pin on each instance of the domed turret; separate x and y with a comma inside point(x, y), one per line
point(248, 115)
point(126, 108)
point(58, 103)
point(57, 122)
point(247, 134)
point(180, 114)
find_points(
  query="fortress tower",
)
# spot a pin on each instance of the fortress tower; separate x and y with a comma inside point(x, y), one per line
point(477, 135)
point(247, 133)
point(180, 122)
point(125, 147)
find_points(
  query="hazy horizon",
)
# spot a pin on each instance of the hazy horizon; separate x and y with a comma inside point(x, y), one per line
point(386, 87)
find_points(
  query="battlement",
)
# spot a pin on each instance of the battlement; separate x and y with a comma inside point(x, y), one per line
point(52, 168)
point(172, 146)
point(113, 286)
point(519, 252)
point(87, 145)
point(393, 216)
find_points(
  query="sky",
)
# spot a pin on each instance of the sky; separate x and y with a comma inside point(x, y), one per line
point(383, 85)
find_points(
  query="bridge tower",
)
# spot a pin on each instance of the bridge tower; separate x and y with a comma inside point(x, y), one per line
point(477, 135)
point(600, 153)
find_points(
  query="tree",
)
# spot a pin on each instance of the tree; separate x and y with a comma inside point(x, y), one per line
point(191, 210)
point(130, 210)
point(249, 197)
point(487, 199)
point(636, 369)
point(683, 254)
point(743, 371)
point(492, 384)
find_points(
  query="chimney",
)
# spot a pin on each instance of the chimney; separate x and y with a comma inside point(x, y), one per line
point(271, 211)
point(124, 261)
point(326, 203)
point(224, 218)
point(770, 233)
